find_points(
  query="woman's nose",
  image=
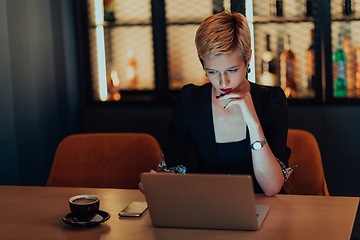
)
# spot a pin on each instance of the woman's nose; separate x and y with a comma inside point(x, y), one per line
point(224, 80)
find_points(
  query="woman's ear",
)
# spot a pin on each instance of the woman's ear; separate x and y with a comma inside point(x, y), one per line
point(248, 58)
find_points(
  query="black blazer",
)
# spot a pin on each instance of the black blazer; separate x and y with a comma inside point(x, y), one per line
point(192, 125)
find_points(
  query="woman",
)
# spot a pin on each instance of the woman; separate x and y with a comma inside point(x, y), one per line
point(236, 127)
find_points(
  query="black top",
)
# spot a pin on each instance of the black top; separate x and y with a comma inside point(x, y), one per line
point(235, 157)
point(192, 125)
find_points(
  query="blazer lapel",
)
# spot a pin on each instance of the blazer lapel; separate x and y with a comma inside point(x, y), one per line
point(204, 127)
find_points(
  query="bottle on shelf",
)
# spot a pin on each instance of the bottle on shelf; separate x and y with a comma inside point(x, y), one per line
point(346, 44)
point(131, 74)
point(276, 8)
point(268, 75)
point(113, 86)
point(357, 81)
point(340, 85)
point(308, 6)
point(288, 71)
point(109, 10)
point(348, 7)
point(310, 63)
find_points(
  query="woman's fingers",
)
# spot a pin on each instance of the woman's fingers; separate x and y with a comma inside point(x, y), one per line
point(231, 96)
point(236, 99)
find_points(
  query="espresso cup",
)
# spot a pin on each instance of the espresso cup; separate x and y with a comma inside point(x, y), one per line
point(84, 204)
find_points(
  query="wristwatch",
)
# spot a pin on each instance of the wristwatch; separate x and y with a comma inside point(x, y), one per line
point(257, 145)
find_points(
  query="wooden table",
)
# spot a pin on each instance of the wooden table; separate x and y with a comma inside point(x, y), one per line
point(36, 213)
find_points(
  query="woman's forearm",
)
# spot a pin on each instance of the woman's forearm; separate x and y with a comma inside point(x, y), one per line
point(267, 170)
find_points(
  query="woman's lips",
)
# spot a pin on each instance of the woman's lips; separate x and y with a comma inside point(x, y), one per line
point(225, 90)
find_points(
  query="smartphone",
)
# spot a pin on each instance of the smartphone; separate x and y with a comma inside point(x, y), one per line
point(134, 209)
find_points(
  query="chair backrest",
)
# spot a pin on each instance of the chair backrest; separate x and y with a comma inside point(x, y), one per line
point(104, 160)
point(308, 177)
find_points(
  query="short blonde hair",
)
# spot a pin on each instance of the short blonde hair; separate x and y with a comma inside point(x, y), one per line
point(223, 33)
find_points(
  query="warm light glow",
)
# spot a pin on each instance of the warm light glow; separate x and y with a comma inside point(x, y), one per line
point(115, 78)
point(117, 96)
point(287, 92)
point(101, 63)
point(131, 68)
point(267, 79)
point(99, 17)
point(267, 56)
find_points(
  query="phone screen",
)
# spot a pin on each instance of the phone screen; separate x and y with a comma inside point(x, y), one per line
point(134, 209)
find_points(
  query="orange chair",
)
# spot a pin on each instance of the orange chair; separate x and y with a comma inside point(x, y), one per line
point(104, 160)
point(308, 177)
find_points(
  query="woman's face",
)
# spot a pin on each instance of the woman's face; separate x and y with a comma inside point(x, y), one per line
point(227, 72)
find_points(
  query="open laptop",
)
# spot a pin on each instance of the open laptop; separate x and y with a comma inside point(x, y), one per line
point(209, 201)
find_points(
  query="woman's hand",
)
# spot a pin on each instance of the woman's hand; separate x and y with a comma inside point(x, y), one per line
point(244, 101)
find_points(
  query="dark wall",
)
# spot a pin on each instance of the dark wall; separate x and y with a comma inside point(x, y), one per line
point(9, 173)
point(39, 86)
point(152, 120)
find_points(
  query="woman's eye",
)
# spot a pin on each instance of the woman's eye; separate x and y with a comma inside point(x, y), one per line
point(232, 70)
point(212, 72)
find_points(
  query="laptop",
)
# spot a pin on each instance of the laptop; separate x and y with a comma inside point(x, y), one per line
point(207, 201)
